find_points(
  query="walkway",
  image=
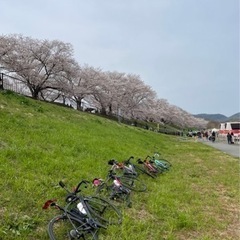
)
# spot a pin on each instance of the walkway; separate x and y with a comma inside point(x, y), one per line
point(231, 149)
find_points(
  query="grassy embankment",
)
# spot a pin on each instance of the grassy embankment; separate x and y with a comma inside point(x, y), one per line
point(41, 143)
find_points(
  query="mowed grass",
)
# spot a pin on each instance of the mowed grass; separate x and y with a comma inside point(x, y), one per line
point(41, 143)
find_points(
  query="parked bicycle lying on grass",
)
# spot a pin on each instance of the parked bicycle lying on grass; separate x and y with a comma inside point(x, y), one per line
point(124, 168)
point(83, 216)
point(153, 166)
point(127, 178)
point(138, 169)
point(160, 162)
point(113, 189)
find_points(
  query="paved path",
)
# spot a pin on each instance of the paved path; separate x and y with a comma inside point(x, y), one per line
point(231, 149)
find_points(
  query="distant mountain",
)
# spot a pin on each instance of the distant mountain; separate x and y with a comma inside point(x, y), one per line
point(234, 117)
point(218, 117)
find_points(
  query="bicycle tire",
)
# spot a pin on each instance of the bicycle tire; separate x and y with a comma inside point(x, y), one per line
point(158, 168)
point(113, 195)
point(153, 169)
point(162, 165)
point(104, 190)
point(64, 227)
point(102, 209)
point(165, 163)
point(133, 183)
point(142, 170)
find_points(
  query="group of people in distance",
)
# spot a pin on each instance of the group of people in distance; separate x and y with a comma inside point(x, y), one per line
point(212, 136)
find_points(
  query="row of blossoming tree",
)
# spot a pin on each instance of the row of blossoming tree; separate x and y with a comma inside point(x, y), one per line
point(49, 71)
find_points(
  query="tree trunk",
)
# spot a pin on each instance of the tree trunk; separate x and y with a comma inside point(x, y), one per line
point(103, 111)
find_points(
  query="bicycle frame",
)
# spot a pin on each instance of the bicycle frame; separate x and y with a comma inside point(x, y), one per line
point(116, 189)
point(83, 211)
point(127, 170)
point(149, 166)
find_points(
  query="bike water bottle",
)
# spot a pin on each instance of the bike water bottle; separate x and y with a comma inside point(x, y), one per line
point(81, 208)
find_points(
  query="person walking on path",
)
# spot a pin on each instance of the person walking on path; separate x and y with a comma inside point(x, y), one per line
point(213, 136)
point(229, 138)
point(232, 138)
point(206, 135)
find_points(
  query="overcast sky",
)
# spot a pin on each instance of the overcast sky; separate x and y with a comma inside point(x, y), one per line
point(186, 50)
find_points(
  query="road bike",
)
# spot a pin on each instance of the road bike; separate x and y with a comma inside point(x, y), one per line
point(161, 163)
point(72, 224)
point(125, 168)
point(83, 216)
point(149, 168)
point(113, 189)
point(137, 168)
point(128, 179)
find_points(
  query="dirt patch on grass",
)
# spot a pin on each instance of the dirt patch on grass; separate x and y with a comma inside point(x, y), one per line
point(2, 144)
point(141, 214)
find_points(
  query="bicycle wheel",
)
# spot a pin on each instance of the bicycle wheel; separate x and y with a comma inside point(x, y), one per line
point(142, 170)
point(165, 162)
point(118, 197)
point(104, 190)
point(162, 163)
point(133, 183)
point(153, 169)
point(105, 212)
point(62, 228)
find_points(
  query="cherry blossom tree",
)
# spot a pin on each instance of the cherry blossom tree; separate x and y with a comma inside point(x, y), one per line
point(49, 71)
point(113, 91)
point(6, 45)
point(81, 84)
point(38, 64)
point(137, 98)
point(106, 91)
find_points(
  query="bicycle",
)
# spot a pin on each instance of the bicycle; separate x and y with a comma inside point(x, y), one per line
point(71, 224)
point(128, 180)
point(160, 162)
point(82, 216)
point(126, 168)
point(149, 168)
point(113, 189)
point(138, 169)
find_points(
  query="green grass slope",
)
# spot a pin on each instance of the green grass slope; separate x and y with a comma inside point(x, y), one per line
point(41, 143)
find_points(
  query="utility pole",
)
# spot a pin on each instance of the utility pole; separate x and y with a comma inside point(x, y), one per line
point(1, 81)
point(119, 115)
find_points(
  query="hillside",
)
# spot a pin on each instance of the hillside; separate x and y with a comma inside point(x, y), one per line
point(235, 117)
point(218, 117)
point(42, 143)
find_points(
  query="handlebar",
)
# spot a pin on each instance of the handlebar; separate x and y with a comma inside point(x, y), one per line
point(148, 157)
point(128, 160)
point(140, 161)
point(112, 162)
point(77, 189)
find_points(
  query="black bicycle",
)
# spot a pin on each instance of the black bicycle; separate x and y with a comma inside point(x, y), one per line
point(82, 217)
point(72, 225)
